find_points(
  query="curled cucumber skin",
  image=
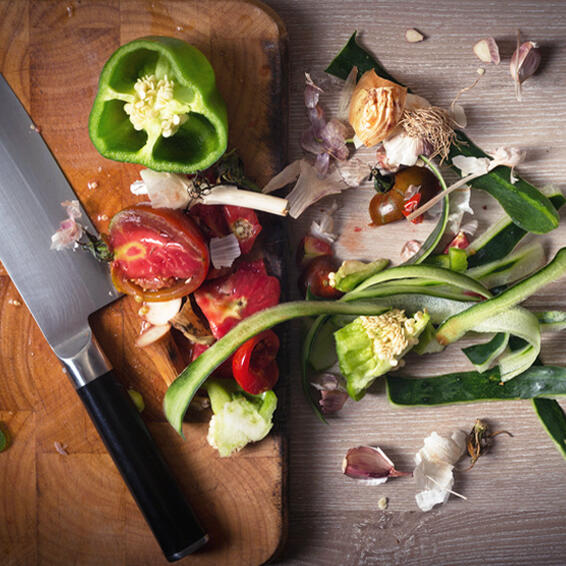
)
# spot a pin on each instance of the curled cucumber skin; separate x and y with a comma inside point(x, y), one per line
point(183, 389)
point(456, 326)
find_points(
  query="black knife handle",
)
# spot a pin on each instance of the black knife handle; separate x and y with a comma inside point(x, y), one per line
point(142, 466)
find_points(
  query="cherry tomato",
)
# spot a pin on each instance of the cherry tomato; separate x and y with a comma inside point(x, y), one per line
point(254, 366)
point(244, 225)
point(311, 247)
point(159, 254)
point(227, 300)
point(315, 278)
point(389, 207)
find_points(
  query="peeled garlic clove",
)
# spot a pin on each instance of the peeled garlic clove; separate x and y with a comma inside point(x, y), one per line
point(375, 108)
point(487, 51)
point(413, 36)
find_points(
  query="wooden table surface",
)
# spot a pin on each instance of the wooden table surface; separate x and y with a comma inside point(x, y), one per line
point(517, 494)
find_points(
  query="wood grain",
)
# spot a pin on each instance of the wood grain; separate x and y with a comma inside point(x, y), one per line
point(73, 508)
point(516, 494)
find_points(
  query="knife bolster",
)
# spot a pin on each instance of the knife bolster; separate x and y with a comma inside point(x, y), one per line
point(88, 364)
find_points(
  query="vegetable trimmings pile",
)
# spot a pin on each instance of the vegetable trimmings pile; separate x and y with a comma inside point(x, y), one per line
point(365, 316)
point(454, 287)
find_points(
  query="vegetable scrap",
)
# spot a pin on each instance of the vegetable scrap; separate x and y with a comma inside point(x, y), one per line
point(4, 439)
point(157, 95)
point(370, 464)
point(487, 51)
point(479, 440)
point(413, 35)
point(434, 468)
point(61, 448)
point(525, 62)
point(137, 398)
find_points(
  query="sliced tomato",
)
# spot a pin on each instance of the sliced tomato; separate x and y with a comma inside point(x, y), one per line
point(254, 366)
point(211, 219)
point(159, 254)
point(244, 225)
point(227, 300)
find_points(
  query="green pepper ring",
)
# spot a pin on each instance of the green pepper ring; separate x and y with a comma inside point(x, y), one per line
point(197, 144)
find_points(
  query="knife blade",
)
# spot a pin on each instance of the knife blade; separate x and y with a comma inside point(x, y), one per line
point(61, 289)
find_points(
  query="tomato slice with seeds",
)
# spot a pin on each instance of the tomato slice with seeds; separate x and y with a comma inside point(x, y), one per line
point(227, 300)
point(211, 219)
point(254, 366)
point(244, 225)
point(159, 253)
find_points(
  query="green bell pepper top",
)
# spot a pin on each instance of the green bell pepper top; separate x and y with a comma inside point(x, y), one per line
point(158, 105)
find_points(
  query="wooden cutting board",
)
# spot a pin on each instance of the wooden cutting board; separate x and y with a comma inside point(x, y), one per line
point(74, 508)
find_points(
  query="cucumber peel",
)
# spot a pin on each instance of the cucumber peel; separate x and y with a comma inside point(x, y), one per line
point(183, 389)
point(473, 386)
point(456, 326)
point(554, 421)
point(526, 205)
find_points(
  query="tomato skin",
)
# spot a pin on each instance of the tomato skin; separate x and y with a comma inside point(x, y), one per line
point(244, 224)
point(254, 366)
point(227, 300)
point(159, 254)
point(315, 278)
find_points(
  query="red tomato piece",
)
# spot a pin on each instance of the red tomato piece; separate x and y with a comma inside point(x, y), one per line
point(254, 366)
point(211, 220)
point(244, 225)
point(459, 241)
point(159, 254)
point(311, 247)
point(227, 300)
point(315, 278)
point(411, 205)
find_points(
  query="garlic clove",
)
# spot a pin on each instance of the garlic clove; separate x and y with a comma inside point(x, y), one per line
point(524, 63)
point(414, 36)
point(369, 463)
point(486, 50)
point(332, 390)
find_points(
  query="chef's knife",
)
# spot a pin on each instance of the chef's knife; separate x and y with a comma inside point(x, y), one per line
point(61, 289)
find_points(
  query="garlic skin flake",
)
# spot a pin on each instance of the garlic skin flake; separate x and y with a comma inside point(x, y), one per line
point(434, 466)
